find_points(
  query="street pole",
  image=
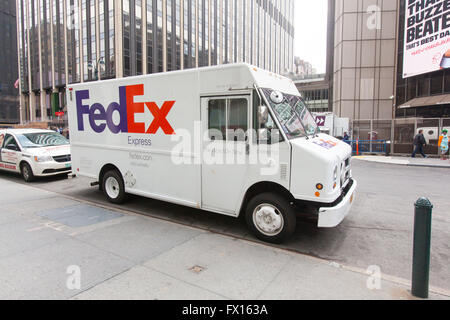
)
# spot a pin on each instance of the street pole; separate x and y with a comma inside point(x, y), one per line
point(421, 250)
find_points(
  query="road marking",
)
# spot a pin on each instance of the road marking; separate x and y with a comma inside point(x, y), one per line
point(48, 225)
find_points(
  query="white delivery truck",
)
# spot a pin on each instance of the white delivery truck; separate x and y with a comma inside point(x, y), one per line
point(231, 139)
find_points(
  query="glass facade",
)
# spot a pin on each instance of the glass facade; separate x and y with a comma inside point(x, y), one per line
point(9, 113)
point(69, 41)
point(316, 100)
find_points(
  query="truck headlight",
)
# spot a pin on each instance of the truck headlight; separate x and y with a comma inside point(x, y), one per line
point(43, 158)
point(335, 174)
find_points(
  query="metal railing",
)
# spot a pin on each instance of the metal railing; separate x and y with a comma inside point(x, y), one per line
point(398, 134)
point(368, 146)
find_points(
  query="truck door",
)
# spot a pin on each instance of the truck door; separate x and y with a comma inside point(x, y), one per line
point(225, 121)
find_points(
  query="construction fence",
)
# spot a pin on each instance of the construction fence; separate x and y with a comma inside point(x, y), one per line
point(395, 137)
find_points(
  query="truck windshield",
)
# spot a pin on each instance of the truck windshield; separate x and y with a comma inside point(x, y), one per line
point(292, 113)
point(42, 139)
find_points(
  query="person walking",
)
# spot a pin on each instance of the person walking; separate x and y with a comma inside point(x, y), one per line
point(346, 136)
point(419, 143)
point(443, 144)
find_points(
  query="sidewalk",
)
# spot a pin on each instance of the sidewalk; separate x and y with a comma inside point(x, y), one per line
point(122, 255)
point(407, 161)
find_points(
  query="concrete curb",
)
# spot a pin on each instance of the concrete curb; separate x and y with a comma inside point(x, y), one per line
point(428, 166)
point(425, 165)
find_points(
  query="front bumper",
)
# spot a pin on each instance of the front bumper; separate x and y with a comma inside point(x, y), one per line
point(330, 217)
point(51, 168)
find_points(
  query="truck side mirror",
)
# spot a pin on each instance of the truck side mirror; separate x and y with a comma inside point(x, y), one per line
point(263, 115)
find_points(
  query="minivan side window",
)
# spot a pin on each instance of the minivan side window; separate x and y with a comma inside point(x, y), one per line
point(228, 119)
point(9, 139)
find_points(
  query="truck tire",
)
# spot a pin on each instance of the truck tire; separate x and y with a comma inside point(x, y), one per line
point(270, 217)
point(113, 187)
point(27, 172)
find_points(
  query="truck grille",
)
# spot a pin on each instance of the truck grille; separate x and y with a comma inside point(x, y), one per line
point(345, 173)
point(65, 158)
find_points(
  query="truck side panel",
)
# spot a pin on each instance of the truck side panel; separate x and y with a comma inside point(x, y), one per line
point(167, 108)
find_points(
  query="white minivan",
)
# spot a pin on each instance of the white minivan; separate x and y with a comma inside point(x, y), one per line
point(34, 153)
point(231, 139)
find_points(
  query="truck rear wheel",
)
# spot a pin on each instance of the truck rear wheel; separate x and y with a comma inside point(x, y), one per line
point(270, 217)
point(113, 187)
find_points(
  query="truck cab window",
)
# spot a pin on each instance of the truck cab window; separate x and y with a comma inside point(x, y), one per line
point(217, 125)
point(237, 119)
point(268, 132)
point(228, 119)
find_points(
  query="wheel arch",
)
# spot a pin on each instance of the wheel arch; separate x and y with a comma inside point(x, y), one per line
point(261, 187)
point(23, 161)
point(104, 170)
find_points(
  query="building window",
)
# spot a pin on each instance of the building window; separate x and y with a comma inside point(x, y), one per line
point(150, 34)
point(436, 83)
point(73, 42)
point(126, 38)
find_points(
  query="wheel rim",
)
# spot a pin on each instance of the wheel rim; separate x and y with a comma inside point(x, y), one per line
point(26, 172)
point(112, 187)
point(268, 219)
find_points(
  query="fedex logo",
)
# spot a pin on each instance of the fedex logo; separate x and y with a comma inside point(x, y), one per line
point(127, 109)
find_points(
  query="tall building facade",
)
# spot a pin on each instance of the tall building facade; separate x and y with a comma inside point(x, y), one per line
point(62, 42)
point(9, 111)
point(365, 44)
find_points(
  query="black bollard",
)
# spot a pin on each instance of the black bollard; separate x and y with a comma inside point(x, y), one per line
point(421, 251)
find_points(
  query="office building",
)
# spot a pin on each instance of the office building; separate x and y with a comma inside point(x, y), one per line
point(9, 101)
point(70, 41)
point(365, 36)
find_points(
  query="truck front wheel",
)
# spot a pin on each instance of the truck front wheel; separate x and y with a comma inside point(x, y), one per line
point(270, 217)
point(113, 187)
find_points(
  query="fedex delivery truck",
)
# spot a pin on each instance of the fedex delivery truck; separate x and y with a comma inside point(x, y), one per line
point(232, 139)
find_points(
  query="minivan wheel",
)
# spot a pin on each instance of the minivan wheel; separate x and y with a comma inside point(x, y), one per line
point(113, 187)
point(270, 217)
point(27, 172)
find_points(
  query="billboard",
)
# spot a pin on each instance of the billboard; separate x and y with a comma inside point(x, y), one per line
point(427, 36)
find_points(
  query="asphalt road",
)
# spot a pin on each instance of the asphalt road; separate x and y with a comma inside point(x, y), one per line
point(379, 230)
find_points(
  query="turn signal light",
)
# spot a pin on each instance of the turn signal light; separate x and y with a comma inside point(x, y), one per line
point(319, 186)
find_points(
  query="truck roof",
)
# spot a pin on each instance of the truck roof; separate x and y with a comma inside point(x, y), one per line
point(244, 77)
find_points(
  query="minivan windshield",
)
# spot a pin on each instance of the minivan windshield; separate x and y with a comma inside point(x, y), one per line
point(292, 113)
point(42, 139)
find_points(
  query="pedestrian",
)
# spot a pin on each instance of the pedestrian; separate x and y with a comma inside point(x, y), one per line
point(419, 143)
point(346, 136)
point(443, 144)
point(347, 139)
